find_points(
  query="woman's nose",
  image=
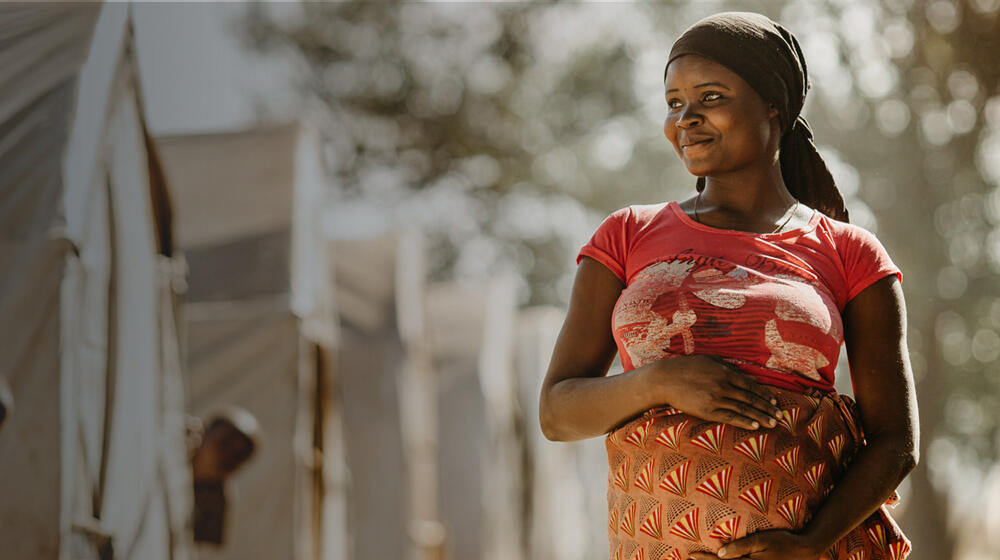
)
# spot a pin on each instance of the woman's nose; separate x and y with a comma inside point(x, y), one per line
point(688, 117)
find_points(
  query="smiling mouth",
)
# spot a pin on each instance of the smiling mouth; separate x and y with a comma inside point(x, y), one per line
point(693, 144)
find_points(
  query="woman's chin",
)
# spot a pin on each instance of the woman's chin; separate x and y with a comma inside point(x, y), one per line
point(700, 170)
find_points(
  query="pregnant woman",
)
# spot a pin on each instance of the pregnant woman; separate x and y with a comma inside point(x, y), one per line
point(725, 436)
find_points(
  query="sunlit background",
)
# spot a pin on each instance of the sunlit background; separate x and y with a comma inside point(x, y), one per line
point(408, 184)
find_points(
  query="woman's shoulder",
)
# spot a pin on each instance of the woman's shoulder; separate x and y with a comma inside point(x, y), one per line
point(645, 213)
point(634, 217)
point(644, 208)
point(862, 254)
point(847, 233)
point(641, 214)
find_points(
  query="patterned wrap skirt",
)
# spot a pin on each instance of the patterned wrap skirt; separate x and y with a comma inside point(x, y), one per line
point(679, 484)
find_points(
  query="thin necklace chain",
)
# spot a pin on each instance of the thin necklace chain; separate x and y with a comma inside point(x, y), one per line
point(776, 230)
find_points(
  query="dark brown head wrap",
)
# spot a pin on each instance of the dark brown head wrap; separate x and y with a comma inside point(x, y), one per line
point(768, 57)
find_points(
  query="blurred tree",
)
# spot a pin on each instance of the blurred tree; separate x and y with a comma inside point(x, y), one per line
point(506, 132)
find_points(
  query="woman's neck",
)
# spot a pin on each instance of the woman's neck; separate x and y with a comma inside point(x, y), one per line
point(749, 194)
point(754, 194)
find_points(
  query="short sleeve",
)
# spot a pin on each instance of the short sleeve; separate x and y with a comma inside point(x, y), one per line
point(865, 260)
point(609, 243)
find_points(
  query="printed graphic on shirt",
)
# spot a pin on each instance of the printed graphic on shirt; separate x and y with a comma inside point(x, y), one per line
point(750, 312)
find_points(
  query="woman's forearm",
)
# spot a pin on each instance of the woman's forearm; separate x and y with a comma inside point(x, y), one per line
point(584, 407)
point(871, 478)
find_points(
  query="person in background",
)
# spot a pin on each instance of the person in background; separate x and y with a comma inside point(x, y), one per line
point(228, 441)
point(6, 400)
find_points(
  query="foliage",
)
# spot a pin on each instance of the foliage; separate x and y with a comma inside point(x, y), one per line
point(506, 133)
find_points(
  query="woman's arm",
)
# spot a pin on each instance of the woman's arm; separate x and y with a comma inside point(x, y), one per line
point(875, 333)
point(578, 401)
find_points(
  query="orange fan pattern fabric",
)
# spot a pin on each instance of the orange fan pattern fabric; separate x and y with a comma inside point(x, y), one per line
point(678, 484)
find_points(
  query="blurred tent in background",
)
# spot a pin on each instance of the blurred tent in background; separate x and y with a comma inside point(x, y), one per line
point(385, 385)
point(560, 521)
point(479, 440)
point(94, 464)
point(258, 327)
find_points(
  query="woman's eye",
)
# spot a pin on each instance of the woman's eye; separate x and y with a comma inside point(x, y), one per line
point(710, 96)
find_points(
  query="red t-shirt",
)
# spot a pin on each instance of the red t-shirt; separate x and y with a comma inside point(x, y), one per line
point(768, 303)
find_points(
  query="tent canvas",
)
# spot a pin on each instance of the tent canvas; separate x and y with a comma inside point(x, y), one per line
point(479, 449)
point(258, 320)
point(94, 455)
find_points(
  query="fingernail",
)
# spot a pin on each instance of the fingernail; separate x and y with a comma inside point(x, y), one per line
point(722, 552)
point(772, 421)
point(774, 402)
point(755, 425)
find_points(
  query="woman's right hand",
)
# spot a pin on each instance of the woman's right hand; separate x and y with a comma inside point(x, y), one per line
point(707, 387)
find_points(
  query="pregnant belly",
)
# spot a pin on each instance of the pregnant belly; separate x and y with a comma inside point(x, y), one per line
point(679, 484)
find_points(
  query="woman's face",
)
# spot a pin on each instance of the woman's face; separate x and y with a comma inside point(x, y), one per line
point(716, 122)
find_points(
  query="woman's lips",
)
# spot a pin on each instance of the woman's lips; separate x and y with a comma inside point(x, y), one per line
point(697, 145)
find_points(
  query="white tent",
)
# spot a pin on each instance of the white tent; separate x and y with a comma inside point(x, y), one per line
point(259, 324)
point(94, 456)
point(479, 444)
point(386, 392)
point(566, 484)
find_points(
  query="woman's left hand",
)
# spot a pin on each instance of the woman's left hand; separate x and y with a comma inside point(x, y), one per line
point(777, 544)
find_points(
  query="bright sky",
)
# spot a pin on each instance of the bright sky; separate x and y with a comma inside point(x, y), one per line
point(195, 75)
